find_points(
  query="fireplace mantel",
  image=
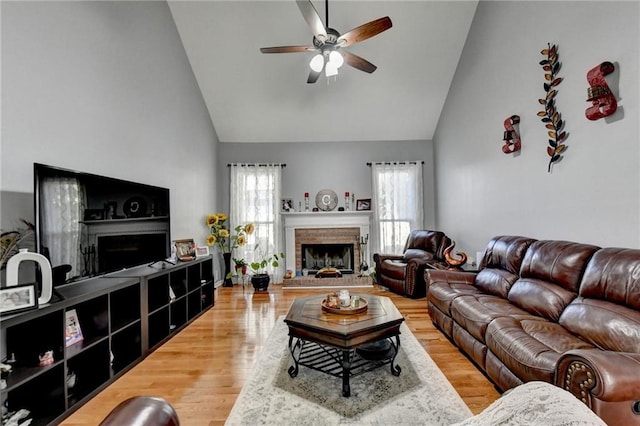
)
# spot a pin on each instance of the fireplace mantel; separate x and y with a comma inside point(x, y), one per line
point(335, 219)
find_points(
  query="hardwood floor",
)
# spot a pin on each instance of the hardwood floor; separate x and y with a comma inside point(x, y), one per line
point(201, 370)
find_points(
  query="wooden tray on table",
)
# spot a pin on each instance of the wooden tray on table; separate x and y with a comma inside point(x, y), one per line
point(346, 310)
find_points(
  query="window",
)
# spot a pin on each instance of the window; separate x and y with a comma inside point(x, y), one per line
point(255, 198)
point(397, 193)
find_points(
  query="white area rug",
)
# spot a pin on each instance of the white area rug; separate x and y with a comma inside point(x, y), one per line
point(420, 395)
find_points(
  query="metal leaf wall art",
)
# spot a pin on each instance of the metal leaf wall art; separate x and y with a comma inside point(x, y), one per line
point(550, 116)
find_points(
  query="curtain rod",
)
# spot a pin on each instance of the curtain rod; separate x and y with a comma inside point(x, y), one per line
point(254, 165)
point(396, 162)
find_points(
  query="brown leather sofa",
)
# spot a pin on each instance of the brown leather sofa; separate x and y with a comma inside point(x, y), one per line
point(404, 273)
point(555, 311)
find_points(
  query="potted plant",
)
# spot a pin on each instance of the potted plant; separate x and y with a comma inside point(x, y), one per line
point(240, 265)
point(260, 278)
point(220, 236)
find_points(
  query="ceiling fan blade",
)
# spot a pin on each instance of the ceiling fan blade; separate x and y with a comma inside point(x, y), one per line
point(358, 62)
point(364, 32)
point(287, 49)
point(310, 15)
point(313, 76)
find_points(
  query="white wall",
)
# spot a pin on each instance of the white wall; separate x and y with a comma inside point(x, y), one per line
point(593, 194)
point(340, 166)
point(106, 88)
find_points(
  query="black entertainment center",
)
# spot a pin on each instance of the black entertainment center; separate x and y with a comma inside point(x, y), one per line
point(88, 225)
point(122, 316)
point(120, 301)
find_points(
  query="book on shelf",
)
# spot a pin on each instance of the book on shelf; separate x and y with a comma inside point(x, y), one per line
point(73, 332)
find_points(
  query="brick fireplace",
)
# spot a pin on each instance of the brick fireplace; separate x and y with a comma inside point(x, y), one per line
point(331, 239)
point(324, 228)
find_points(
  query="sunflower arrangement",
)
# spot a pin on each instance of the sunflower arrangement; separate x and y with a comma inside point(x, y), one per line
point(219, 234)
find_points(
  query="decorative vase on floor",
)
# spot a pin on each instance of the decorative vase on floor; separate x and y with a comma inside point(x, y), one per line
point(260, 281)
point(227, 269)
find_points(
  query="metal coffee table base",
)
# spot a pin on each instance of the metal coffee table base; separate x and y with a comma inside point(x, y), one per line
point(337, 362)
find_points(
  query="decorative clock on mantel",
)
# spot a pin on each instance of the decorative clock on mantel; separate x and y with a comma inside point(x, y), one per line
point(326, 200)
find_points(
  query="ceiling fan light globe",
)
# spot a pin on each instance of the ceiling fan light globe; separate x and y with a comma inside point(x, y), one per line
point(330, 69)
point(336, 59)
point(317, 62)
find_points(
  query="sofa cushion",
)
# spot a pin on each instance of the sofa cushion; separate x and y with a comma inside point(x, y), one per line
point(475, 312)
point(496, 282)
point(530, 348)
point(505, 252)
point(500, 264)
point(550, 276)
point(444, 286)
point(607, 313)
point(613, 274)
point(540, 297)
point(560, 262)
point(604, 324)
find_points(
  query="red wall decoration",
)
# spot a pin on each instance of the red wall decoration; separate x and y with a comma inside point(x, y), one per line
point(511, 136)
point(602, 100)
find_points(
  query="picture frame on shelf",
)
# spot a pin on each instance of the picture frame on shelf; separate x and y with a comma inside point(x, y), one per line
point(202, 251)
point(363, 204)
point(73, 331)
point(286, 205)
point(18, 298)
point(185, 249)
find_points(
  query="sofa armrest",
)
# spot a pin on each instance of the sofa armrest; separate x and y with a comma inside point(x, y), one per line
point(606, 375)
point(432, 276)
point(378, 258)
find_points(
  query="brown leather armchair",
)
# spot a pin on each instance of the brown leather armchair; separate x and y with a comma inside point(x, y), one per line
point(404, 273)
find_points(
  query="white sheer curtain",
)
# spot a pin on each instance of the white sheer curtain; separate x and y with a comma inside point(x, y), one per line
point(397, 204)
point(62, 230)
point(255, 198)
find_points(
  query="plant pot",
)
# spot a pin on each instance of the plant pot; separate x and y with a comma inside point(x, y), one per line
point(260, 281)
point(227, 267)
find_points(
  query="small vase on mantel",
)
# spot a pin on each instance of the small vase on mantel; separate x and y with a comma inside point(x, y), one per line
point(227, 269)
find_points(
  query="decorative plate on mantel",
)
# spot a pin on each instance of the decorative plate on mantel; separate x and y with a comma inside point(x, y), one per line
point(326, 199)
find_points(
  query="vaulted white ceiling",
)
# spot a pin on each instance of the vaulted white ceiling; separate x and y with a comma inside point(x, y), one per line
point(255, 97)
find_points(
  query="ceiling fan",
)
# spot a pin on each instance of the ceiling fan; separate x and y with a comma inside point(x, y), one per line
point(330, 44)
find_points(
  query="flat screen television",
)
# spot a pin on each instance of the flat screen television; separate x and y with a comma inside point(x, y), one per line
point(88, 225)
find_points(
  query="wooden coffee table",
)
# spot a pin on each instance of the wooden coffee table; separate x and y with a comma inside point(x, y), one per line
point(342, 345)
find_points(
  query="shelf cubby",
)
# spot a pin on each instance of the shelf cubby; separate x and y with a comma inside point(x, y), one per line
point(178, 316)
point(194, 303)
point(208, 293)
point(158, 326)
point(43, 396)
point(28, 340)
point(206, 273)
point(193, 277)
point(126, 347)
point(158, 292)
point(125, 307)
point(178, 282)
point(90, 369)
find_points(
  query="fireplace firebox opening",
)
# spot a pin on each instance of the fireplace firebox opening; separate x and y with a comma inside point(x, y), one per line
point(318, 256)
